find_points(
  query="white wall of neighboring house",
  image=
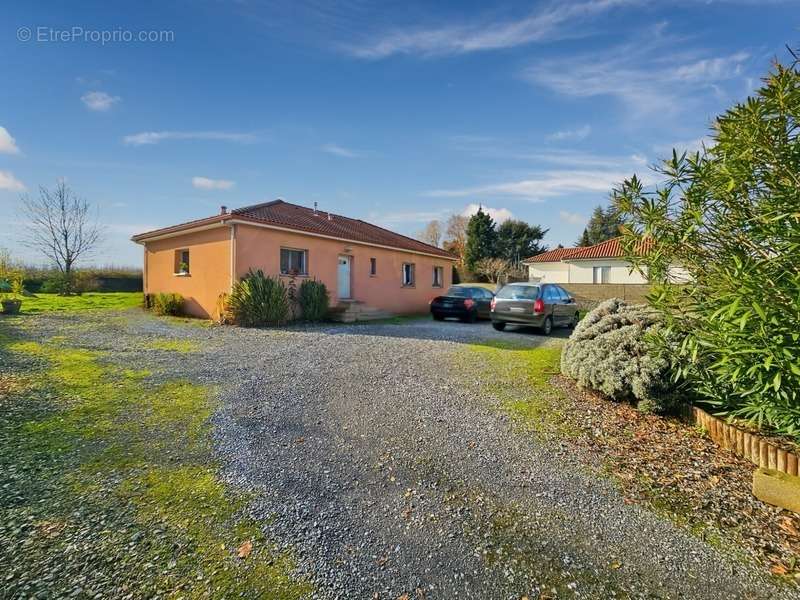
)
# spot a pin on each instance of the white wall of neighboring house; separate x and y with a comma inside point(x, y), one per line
point(548, 272)
point(618, 271)
point(583, 271)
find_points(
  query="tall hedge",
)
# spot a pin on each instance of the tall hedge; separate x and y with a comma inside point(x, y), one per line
point(730, 216)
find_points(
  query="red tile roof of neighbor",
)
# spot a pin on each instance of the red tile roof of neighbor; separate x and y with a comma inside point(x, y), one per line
point(609, 249)
point(551, 255)
point(279, 213)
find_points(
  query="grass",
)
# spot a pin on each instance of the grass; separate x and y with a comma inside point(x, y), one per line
point(518, 376)
point(180, 346)
point(47, 303)
point(109, 484)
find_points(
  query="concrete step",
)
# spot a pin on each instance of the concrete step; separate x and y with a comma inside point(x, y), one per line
point(351, 311)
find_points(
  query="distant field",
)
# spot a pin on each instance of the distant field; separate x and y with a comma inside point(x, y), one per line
point(42, 303)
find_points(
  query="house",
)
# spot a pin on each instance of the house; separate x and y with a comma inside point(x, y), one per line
point(603, 263)
point(362, 265)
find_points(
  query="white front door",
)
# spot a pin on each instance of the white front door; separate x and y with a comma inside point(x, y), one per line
point(344, 277)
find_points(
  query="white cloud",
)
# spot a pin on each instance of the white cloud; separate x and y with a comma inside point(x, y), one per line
point(498, 214)
point(422, 216)
point(646, 75)
point(155, 137)
point(341, 151)
point(99, 101)
point(8, 144)
point(571, 134)
point(553, 22)
point(572, 218)
point(689, 146)
point(204, 183)
point(543, 185)
point(10, 183)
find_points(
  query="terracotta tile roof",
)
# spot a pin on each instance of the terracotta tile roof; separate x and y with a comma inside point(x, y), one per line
point(608, 249)
point(551, 255)
point(303, 219)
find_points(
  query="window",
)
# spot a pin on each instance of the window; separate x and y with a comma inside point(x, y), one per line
point(565, 297)
point(438, 276)
point(293, 262)
point(600, 274)
point(519, 292)
point(551, 294)
point(373, 267)
point(182, 262)
point(408, 274)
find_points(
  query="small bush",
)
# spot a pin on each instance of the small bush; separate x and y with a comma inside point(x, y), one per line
point(166, 304)
point(63, 284)
point(609, 352)
point(313, 300)
point(258, 300)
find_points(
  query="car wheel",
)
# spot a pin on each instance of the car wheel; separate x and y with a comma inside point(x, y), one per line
point(547, 328)
point(437, 317)
point(498, 326)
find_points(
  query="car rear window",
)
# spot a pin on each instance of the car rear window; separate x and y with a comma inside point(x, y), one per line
point(519, 292)
point(460, 292)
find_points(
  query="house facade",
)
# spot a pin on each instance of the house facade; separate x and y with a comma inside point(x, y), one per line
point(357, 261)
point(602, 263)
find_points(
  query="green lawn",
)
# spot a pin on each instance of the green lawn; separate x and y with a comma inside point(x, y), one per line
point(44, 303)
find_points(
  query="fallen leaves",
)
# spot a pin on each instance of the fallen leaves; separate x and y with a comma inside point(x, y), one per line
point(244, 550)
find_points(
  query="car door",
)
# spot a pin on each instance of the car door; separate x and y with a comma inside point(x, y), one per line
point(553, 304)
point(484, 302)
point(569, 305)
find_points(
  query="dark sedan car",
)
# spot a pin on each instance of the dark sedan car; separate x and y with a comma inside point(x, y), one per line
point(463, 302)
point(539, 305)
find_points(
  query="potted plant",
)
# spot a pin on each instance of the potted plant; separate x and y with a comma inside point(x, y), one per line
point(11, 296)
point(183, 269)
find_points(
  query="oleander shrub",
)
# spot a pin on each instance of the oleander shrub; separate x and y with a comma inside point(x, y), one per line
point(257, 300)
point(165, 304)
point(609, 352)
point(729, 216)
point(312, 296)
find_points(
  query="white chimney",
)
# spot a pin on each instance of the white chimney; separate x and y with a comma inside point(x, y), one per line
point(315, 209)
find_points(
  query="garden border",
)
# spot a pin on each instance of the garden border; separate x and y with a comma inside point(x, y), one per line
point(751, 446)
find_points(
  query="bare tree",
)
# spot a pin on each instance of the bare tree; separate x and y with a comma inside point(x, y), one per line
point(60, 226)
point(456, 236)
point(432, 234)
point(494, 269)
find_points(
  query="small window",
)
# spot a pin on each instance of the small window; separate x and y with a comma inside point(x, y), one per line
point(293, 262)
point(182, 262)
point(551, 294)
point(438, 276)
point(601, 274)
point(373, 267)
point(519, 292)
point(408, 274)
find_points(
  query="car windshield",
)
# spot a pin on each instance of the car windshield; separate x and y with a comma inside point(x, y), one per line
point(460, 292)
point(519, 292)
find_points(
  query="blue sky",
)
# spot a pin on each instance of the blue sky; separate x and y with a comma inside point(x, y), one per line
point(393, 112)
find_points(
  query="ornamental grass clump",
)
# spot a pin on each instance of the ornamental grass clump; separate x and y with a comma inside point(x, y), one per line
point(609, 352)
point(257, 300)
point(312, 296)
point(167, 304)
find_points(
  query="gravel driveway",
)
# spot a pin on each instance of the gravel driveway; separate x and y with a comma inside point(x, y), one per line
point(377, 461)
point(373, 458)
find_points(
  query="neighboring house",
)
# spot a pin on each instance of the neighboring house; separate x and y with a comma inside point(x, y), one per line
point(603, 263)
point(357, 261)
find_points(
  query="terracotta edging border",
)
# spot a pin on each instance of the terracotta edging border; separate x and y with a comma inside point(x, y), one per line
point(751, 446)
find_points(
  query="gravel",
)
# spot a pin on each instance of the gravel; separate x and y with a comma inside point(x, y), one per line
point(373, 458)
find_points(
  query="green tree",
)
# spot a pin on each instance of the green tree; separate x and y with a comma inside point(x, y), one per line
point(481, 239)
point(516, 241)
point(729, 217)
point(603, 225)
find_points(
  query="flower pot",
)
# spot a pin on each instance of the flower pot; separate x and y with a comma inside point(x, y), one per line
point(11, 307)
